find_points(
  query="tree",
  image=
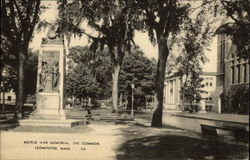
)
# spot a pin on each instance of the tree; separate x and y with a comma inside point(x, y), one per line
point(7, 57)
point(30, 79)
point(162, 21)
point(140, 71)
point(113, 21)
point(194, 42)
point(81, 84)
point(87, 75)
point(30, 69)
point(18, 20)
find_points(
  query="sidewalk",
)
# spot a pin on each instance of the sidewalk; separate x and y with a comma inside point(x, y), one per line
point(232, 118)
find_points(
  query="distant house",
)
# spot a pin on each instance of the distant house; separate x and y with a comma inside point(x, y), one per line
point(10, 97)
point(172, 90)
point(232, 80)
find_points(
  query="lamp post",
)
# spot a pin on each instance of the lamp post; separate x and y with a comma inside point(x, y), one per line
point(4, 74)
point(132, 105)
point(183, 95)
point(194, 101)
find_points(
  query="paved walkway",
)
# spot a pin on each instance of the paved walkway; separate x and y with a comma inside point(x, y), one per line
point(233, 118)
point(192, 121)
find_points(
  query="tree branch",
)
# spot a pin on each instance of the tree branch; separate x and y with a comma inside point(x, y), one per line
point(12, 20)
point(229, 14)
point(35, 18)
point(19, 14)
point(151, 19)
point(192, 10)
point(7, 32)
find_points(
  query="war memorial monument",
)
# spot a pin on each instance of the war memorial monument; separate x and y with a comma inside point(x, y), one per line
point(50, 92)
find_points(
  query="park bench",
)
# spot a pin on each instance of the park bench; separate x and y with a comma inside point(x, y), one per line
point(208, 130)
point(210, 133)
point(240, 134)
point(121, 117)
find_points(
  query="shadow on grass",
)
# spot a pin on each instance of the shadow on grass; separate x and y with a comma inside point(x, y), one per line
point(9, 125)
point(171, 147)
point(148, 143)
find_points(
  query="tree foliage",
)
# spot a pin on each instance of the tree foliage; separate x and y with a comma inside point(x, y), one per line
point(30, 79)
point(234, 22)
point(237, 25)
point(18, 20)
point(140, 71)
point(195, 40)
point(88, 76)
point(81, 84)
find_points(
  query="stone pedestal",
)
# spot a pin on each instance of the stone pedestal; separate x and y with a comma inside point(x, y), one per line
point(48, 107)
point(203, 107)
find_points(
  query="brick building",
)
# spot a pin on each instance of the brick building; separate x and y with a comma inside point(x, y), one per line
point(232, 79)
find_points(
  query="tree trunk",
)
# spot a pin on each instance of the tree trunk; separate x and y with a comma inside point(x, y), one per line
point(163, 53)
point(115, 77)
point(20, 96)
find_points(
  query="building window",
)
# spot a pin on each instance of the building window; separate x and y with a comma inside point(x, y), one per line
point(211, 84)
point(9, 98)
point(245, 72)
point(238, 73)
point(232, 71)
point(233, 55)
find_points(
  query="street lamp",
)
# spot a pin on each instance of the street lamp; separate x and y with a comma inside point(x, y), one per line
point(183, 94)
point(132, 106)
point(4, 74)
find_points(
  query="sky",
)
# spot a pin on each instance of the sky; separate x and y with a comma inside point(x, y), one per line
point(141, 39)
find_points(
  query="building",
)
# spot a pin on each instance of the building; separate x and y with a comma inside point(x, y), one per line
point(10, 97)
point(173, 87)
point(232, 80)
point(209, 86)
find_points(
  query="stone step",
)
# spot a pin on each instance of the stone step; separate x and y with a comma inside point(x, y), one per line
point(54, 123)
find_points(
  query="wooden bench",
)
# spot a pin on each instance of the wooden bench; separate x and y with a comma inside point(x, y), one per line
point(240, 134)
point(209, 131)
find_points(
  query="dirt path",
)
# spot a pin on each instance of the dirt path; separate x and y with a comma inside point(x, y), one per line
point(94, 142)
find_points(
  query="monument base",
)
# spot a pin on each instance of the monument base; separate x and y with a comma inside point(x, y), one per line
point(49, 114)
point(51, 123)
point(48, 107)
